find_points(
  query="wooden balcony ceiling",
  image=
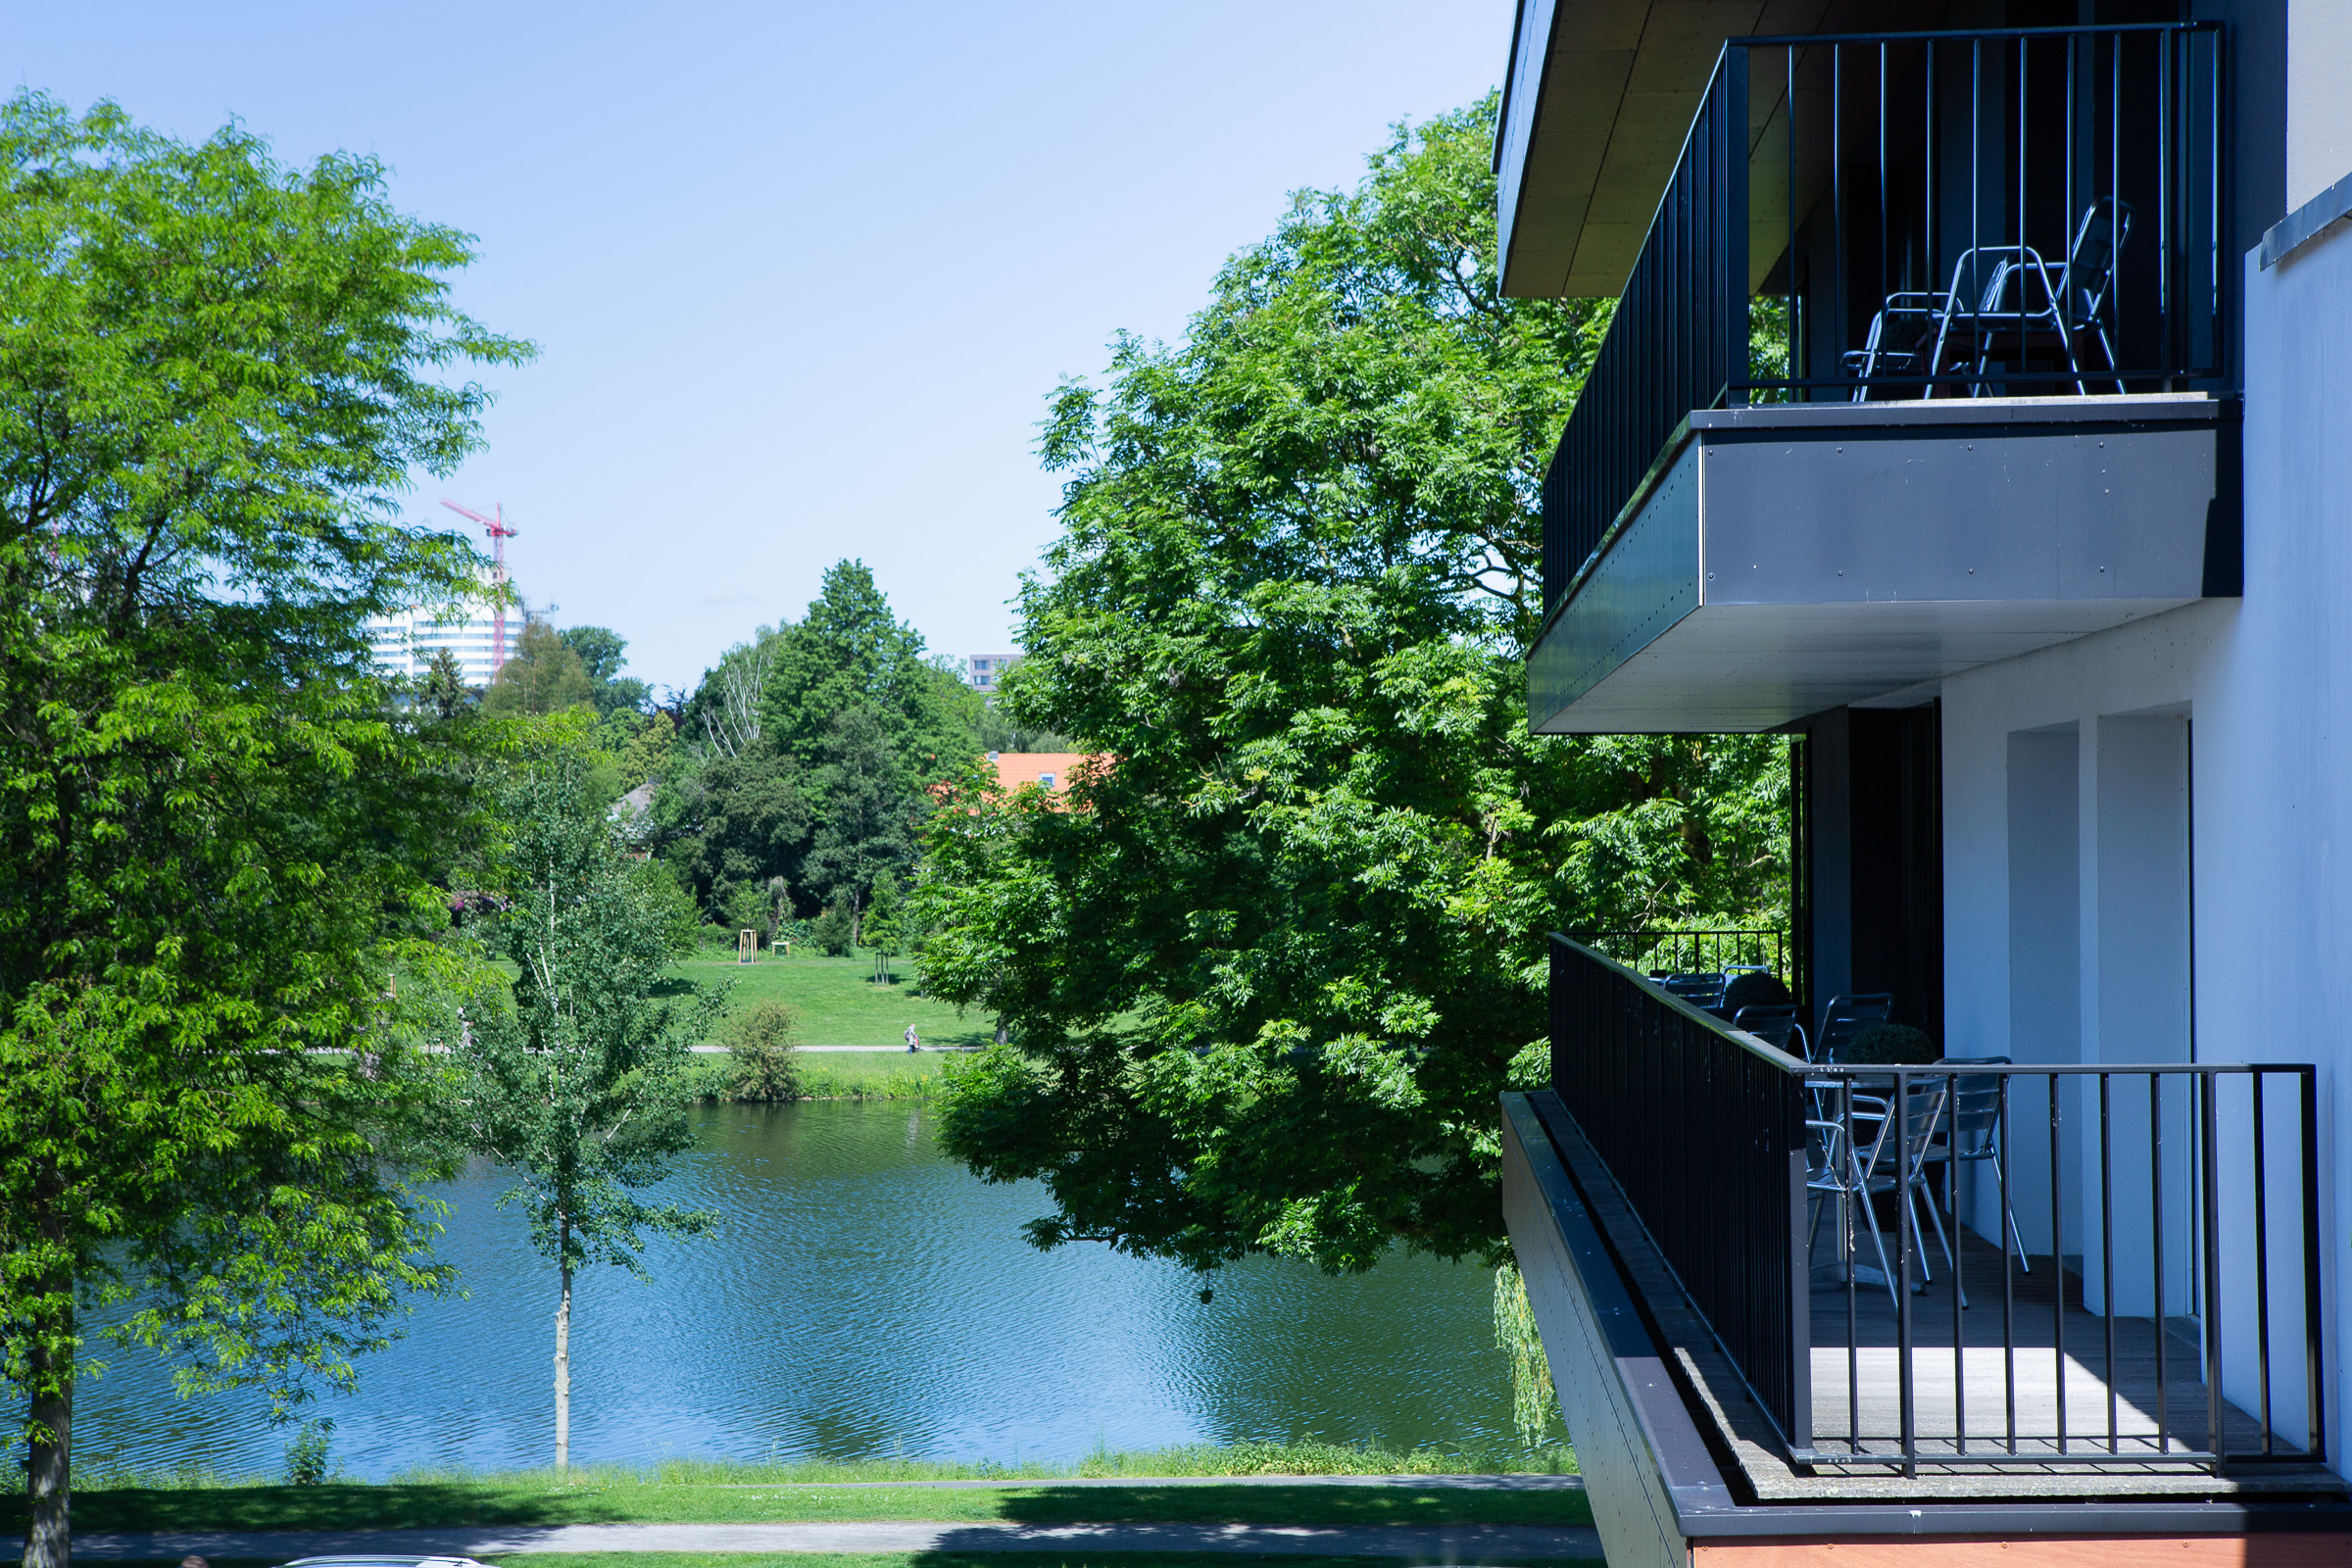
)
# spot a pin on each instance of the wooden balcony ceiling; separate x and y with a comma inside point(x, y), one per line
point(1618, 83)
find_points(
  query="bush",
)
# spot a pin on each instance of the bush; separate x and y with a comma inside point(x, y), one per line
point(834, 932)
point(306, 1454)
point(762, 1048)
point(1755, 990)
point(1890, 1044)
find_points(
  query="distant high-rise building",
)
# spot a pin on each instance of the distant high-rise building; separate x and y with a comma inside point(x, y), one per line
point(404, 643)
point(982, 672)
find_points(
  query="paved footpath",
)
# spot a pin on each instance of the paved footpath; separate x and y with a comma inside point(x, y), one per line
point(1436, 1544)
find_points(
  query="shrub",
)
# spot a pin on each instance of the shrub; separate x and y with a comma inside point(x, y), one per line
point(306, 1454)
point(763, 1050)
point(1755, 990)
point(835, 931)
point(1890, 1044)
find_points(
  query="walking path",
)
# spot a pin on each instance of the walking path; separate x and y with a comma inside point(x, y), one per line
point(1444, 1543)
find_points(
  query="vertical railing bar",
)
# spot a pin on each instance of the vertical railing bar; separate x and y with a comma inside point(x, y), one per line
point(2315, 1380)
point(1898, 1114)
point(2024, 98)
point(1840, 317)
point(1798, 366)
point(1853, 1326)
point(1951, 1169)
point(1884, 232)
point(2204, 1088)
point(2115, 192)
point(2008, 1275)
point(2164, 191)
point(1934, 145)
point(2262, 1262)
point(2107, 1252)
point(2156, 1253)
point(2067, 232)
point(1976, 160)
point(2058, 1258)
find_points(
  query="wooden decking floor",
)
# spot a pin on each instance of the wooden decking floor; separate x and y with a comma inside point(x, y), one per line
point(1987, 1377)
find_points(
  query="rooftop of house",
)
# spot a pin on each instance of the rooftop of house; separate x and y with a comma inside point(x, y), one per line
point(1049, 770)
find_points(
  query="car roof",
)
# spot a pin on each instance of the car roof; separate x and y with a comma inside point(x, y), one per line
point(380, 1560)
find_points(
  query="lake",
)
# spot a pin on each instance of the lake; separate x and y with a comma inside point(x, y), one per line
point(862, 1297)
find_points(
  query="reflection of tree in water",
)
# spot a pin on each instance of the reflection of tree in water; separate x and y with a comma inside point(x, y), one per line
point(860, 1293)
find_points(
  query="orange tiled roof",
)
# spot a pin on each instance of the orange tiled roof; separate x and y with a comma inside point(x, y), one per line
point(1052, 770)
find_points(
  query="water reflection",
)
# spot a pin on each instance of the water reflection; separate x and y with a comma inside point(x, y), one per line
point(863, 1295)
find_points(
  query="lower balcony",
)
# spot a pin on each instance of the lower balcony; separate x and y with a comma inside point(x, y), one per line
point(1971, 1301)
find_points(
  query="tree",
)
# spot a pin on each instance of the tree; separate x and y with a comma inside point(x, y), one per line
point(866, 811)
point(738, 822)
point(850, 651)
point(1269, 962)
point(543, 677)
point(216, 374)
point(724, 712)
point(581, 1091)
point(602, 655)
point(445, 692)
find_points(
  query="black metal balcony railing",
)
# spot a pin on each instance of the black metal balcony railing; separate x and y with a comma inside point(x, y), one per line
point(1928, 214)
point(2170, 1315)
point(1655, 949)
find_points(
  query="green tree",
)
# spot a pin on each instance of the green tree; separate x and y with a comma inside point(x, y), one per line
point(1270, 962)
point(217, 373)
point(444, 690)
point(736, 823)
point(868, 813)
point(850, 651)
point(602, 655)
point(581, 1091)
point(543, 677)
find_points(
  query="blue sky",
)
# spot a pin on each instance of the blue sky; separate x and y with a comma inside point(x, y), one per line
point(803, 275)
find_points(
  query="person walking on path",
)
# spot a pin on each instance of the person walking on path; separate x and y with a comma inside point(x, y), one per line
point(913, 1044)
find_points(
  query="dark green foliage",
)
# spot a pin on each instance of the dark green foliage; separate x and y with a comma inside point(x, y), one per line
point(850, 652)
point(833, 933)
point(1755, 990)
point(1889, 1045)
point(217, 374)
point(602, 655)
point(542, 678)
point(737, 825)
point(763, 1051)
point(1271, 962)
point(445, 694)
point(866, 809)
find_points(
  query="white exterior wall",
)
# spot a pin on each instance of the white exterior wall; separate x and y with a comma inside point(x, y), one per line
point(2319, 97)
point(2256, 692)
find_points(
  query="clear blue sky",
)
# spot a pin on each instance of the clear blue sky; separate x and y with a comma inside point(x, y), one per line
point(803, 275)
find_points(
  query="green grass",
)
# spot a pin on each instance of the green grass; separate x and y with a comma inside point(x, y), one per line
point(621, 1498)
point(838, 1002)
point(830, 1075)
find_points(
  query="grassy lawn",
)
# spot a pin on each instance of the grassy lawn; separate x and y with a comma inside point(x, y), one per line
point(838, 1002)
point(636, 1498)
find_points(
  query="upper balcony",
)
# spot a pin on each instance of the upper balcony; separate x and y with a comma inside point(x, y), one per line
point(1923, 361)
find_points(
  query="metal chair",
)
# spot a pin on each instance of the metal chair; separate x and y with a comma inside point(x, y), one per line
point(2001, 298)
point(1846, 1017)
point(1883, 1161)
point(1775, 1026)
point(1973, 1135)
point(1704, 991)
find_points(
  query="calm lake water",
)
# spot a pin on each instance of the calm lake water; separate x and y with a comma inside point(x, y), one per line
point(862, 1297)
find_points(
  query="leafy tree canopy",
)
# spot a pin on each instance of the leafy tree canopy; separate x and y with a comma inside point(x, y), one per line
point(736, 823)
point(868, 813)
point(215, 375)
point(850, 650)
point(604, 656)
point(1269, 963)
point(544, 676)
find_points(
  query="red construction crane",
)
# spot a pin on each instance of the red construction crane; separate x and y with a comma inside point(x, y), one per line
point(499, 533)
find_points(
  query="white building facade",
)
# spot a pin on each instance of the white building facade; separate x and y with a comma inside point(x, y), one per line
point(405, 644)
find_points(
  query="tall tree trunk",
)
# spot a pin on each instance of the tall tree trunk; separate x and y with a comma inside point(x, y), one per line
point(48, 1484)
point(564, 1354)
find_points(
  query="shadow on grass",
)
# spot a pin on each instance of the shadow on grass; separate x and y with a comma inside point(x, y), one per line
point(460, 1504)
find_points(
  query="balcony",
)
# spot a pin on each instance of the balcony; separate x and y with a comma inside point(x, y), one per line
point(2135, 1321)
point(1923, 363)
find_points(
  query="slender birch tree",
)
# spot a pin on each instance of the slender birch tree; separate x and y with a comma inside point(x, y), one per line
point(217, 373)
point(580, 1092)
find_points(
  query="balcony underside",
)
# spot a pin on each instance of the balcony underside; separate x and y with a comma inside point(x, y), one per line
point(1784, 560)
